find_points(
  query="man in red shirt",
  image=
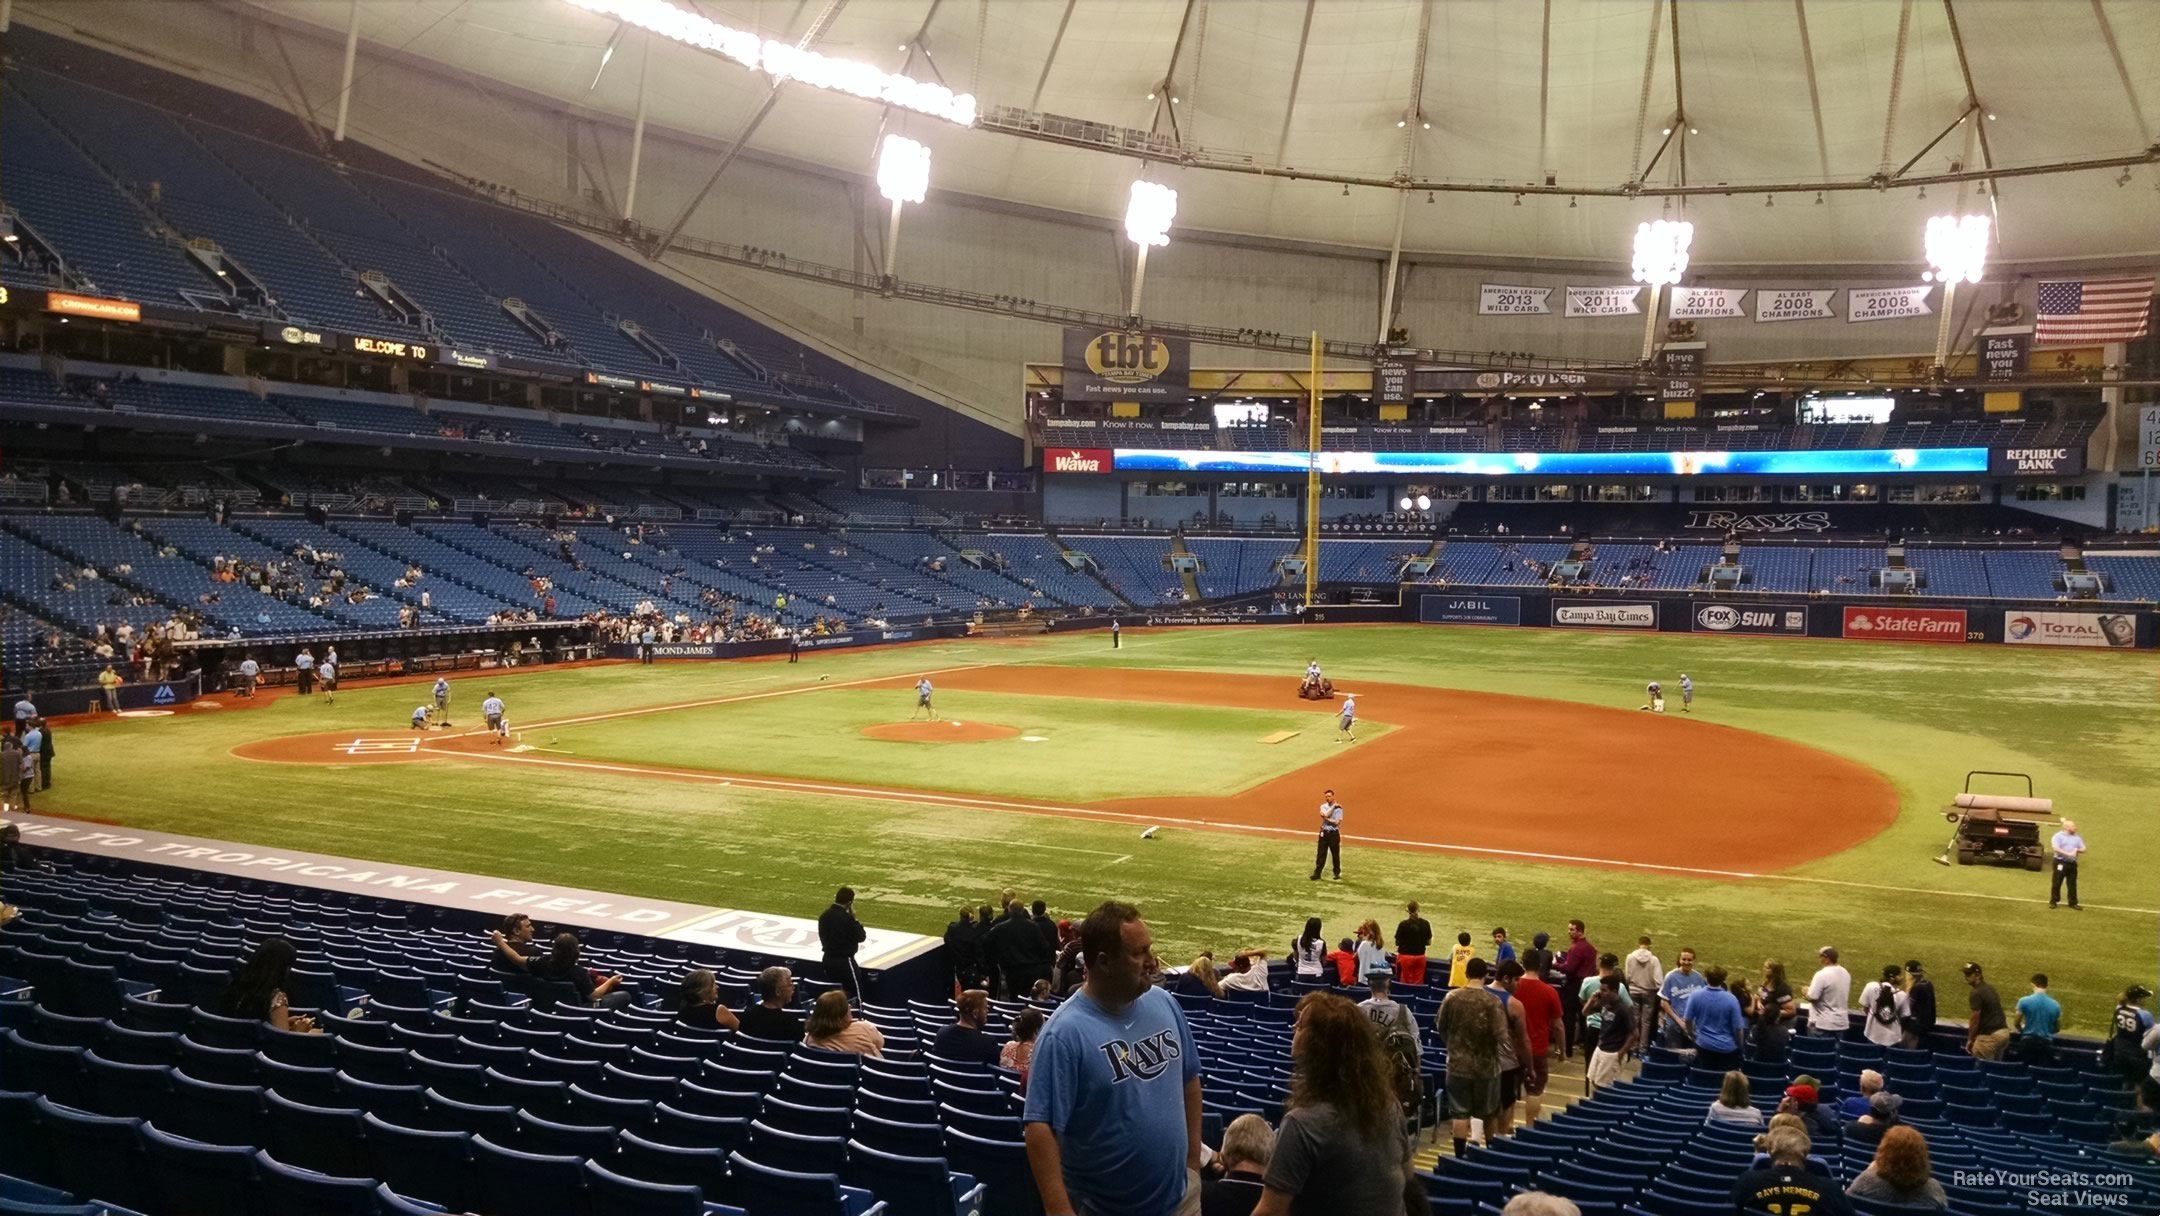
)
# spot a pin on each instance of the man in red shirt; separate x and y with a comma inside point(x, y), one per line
point(1575, 964)
point(1542, 1025)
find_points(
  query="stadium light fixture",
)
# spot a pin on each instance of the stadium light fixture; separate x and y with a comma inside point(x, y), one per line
point(783, 61)
point(903, 170)
point(1661, 257)
point(1424, 502)
point(1956, 247)
point(1148, 212)
point(1404, 502)
point(903, 177)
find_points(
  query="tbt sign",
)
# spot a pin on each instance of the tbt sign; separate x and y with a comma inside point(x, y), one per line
point(2069, 629)
point(1905, 624)
point(1596, 614)
point(1120, 365)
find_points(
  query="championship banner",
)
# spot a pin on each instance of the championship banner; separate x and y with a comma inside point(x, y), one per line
point(1886, 303)
point(2101, 631)
point(1117, 365)
point(1688, 302)
point(1793, 304)
point(1603, 301)
point(1501, 300)
point(2003, 353)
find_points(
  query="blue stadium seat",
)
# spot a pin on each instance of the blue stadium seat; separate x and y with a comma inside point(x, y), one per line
point(911, 1186)
point(214, 1113)
point(327, 1139)
point(764, 1191)
point(286, 1188)
point(427, 1164)
point(1001, 1166)
point(197, 1178)
point(512, 1182)
point(539, 1135)
point(56, 1072)
point(116, 1088)
point(617, 1193)
point(650, 1160)
point(86, 1154)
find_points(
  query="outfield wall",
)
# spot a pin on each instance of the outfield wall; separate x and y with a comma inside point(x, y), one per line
point(745, 650)
point(1958, 622)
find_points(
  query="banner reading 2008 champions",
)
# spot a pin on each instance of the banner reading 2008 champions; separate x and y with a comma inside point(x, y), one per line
point(1120, 365)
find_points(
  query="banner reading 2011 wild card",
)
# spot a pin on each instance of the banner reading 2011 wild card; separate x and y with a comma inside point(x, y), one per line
point(1124, 365)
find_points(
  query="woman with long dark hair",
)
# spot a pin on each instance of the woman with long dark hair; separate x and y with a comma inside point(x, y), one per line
point(1341, 1148)
point(257, 988)
point(1309, 951)
point(1770, 1009)
point(697, 1002)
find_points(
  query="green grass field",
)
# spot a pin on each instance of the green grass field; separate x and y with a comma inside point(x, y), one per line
point(1160, 749)
point(2086, 725)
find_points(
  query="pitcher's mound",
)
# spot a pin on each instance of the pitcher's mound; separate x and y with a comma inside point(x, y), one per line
point(938, 732)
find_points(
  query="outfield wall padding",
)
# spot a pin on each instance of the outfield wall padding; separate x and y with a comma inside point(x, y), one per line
point(1946, 621)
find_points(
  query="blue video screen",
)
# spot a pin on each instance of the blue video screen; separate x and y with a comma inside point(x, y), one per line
point(1867, 462)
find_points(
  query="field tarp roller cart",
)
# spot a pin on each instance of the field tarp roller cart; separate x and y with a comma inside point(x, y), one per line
point(2000, 829)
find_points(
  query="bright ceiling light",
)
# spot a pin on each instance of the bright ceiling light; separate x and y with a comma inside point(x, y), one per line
point(783, 61)
point(1424, 502)
point(903, 170)
point(1957, 247)
point(1148, 214)
point(1405, 503)
point(1661, 250)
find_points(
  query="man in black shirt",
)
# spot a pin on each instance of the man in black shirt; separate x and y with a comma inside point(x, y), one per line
point(769, 1017)
point(839, 936)
point(1920, 993)
point(1045, 926)
point(963, 952)
point(1016, 947)
point(1785, 1187)
point(1987, 1032)
point(1412, 937)
point(964, 1039)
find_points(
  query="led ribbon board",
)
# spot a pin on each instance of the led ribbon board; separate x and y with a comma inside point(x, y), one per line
point(1863, 462)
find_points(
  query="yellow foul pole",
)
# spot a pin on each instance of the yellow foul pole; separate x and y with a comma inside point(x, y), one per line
point(1312, 474)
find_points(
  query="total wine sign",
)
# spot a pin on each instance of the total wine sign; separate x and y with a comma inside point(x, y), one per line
point(1905, 624)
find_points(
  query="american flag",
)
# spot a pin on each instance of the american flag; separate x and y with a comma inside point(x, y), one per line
point(2079, 312)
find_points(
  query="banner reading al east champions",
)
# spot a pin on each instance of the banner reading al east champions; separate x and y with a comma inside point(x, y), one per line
point(1116, 365)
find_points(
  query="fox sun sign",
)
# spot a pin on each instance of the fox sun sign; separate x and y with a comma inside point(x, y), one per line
point(1125, 365)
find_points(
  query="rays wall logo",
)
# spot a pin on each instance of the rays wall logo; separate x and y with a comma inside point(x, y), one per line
point(1779, 521)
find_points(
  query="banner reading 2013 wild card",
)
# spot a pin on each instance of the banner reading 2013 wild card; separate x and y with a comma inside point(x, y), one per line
point(1124, 365)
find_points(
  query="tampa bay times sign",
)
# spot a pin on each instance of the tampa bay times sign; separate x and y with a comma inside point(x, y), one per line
point(1124, 365)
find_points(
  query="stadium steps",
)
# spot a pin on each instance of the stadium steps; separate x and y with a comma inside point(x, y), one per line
point(1188, 577)
point(1093, 569)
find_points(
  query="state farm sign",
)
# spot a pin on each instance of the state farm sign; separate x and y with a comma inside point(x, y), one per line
point(1076, 460)
point(1905, 624)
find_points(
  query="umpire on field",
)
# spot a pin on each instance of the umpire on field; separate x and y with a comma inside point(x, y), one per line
point(839, 936)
